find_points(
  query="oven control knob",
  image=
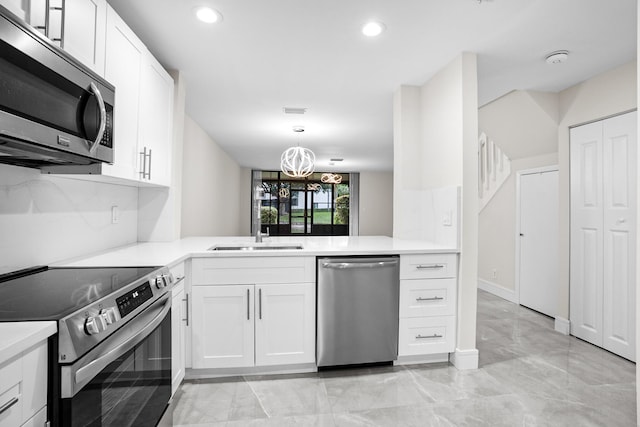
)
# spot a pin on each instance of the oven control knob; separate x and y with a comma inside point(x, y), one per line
point(159, 282)
point(167, 279)
point(91, 326)
point(110, 315)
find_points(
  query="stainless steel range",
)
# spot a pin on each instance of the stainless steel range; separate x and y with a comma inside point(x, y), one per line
point(110, 363)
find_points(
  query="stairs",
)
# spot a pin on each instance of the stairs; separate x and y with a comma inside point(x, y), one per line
point(494, 167)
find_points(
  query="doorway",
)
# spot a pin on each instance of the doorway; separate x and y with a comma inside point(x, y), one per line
point(537, 239)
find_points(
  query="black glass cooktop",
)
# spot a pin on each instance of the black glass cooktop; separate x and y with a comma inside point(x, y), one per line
point(49, 293)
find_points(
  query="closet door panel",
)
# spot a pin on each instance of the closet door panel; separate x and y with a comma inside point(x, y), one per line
point(619, 177)
point(586, 233)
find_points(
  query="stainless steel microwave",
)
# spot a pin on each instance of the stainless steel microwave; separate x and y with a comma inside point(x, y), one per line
point(53, 110)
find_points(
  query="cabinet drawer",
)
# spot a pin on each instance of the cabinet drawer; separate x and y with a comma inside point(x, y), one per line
point(428, 266)
point(252, 270)
point(11, 395)
point(427, 297)
point(427, 335)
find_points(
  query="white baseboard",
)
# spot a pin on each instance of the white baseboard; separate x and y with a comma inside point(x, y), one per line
point(464, 359)
point(497, 290)
point(562, 325)
point(425, 358)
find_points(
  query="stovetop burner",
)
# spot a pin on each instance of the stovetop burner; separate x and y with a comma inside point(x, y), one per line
point(51, 293)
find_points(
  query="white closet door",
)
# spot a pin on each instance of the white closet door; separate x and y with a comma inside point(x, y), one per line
point(539, 241)
point(619, 177)
point(603, 233)
point(586, 290)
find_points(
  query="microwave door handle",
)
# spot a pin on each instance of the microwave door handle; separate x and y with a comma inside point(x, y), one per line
point(103, 117)
point(89, 371)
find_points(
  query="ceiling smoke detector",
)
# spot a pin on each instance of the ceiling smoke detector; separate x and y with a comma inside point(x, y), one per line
point(298, 129)
point(557, 57)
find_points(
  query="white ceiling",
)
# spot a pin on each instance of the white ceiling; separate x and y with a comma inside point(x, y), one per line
point(268, 54)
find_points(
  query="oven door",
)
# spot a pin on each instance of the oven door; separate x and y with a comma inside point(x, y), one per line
point(124, 381)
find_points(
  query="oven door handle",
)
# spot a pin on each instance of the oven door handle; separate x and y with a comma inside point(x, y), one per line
point(92, 369)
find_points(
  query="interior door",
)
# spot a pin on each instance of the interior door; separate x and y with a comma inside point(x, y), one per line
point(619, 233)
point(586, 233)
point(539, 241)
point(603, 233)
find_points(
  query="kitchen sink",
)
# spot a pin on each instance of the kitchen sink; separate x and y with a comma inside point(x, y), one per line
point(254, 247)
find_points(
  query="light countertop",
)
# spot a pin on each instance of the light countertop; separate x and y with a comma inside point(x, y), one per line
point(16, 337)
point(171, 253)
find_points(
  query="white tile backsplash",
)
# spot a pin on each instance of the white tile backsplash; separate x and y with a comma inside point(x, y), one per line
point(45, 219)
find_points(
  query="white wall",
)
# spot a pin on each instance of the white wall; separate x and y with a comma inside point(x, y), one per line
point(435, 146)
point(497, 228)
point(524, 124)
point(212, 187)
point(609, 93)
point(376, 204)
point(45, 219)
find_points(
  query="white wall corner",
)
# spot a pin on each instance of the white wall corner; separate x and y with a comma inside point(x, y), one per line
point(465, 359)
point(499, 291)
point(562, 325)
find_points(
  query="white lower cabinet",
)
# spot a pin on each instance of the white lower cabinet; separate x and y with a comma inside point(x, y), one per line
point(179, 323)
point(285, 327)
point(223, 326)
point(23, 388)
point(428, 286)
point(253, 325)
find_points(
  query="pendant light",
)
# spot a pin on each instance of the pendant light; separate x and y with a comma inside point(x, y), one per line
point(297, 162)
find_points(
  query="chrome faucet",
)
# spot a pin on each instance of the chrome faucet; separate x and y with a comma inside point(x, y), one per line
point(259, 235)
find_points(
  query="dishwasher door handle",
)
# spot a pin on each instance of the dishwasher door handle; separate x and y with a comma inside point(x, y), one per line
point(348, 265)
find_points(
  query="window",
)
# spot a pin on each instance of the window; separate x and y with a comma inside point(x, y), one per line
point(300, 206)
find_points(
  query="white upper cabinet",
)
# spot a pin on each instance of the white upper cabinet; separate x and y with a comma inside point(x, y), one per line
point(123, 67)
point(155, 120)
point(143, 113)
point(84, 32)
point(77, 26)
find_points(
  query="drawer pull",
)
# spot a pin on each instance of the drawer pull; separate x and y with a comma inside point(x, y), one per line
point(9, 404)
point(429, 299)
point(421, 337)
point(429, 266)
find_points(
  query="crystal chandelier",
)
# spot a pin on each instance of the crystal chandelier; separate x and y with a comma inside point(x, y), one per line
point(297, 162)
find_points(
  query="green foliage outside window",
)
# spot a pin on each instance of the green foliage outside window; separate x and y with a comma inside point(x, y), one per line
point(269, 215)
point(342, 209)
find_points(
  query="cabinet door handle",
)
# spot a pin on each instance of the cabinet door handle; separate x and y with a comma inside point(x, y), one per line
point(429, 266)
point(143, 163)
point(149, 172)
point(260, 304)
point(248, 308)
point(9, 404)
point(186, 300)
point(421, 337)
point(429, 299)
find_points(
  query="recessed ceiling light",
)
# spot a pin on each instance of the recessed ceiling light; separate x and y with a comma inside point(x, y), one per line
point(373, 29)
point(207, 15)
point(557, 57)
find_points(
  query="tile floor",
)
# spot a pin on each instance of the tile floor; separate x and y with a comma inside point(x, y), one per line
point(529, 375)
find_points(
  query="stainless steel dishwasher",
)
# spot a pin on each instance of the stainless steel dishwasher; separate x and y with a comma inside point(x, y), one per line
point(358, 299)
